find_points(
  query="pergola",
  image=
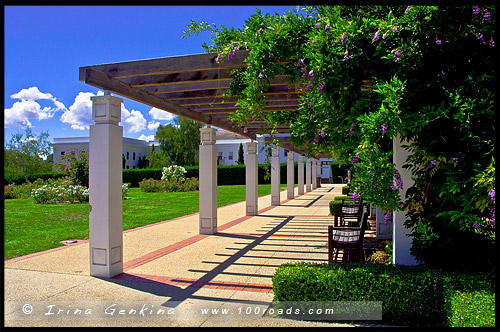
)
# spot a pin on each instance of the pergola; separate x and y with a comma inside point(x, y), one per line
point(190, 86)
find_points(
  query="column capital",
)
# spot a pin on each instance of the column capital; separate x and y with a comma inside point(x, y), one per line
point(290, 155)
point(275, 151)
point(301, 159)
point(207, 136)
point(252, 147)
point(106, 108)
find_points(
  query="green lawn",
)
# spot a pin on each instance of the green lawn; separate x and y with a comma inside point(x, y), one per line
point(31, 227)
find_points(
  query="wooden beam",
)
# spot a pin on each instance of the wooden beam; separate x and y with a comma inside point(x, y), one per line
point(168, 65)
point(176, 78)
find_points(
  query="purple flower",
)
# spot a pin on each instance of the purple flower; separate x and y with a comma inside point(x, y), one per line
point(322, 133)
point(384, 36)
point(304, 71)
point(487, 16)
point(327, 28)
point(383, 128)
point(316, 25)
point(301, 62)
point(344, 37)
point(407, 9)
point(261, 30)
point(396, 55)
point(355, 195)
point(455, 160)
point(480, 37)
point(316, 139)
point(492, 194)
point(477, 225)
point(397, 177)
point(394, 29)
point(219, 58)
point(346, 57)
point(377, 36)
point(387, 218)
point(393, 187)
point(491, 43)
point(438, 41)
point(432, 164)
point(245, 131)
point(295, 66)
point(476, 10)
point(309, 105)
point(235, 43)
point(311, 74)
point(271, 54)
point(312, 42)
point(355, 159)
point(321, 85)
point(261, 75)
point(350, 130)
point(309, 87)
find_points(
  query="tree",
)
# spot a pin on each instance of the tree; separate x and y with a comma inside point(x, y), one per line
point(180, 141)
point(26, 154)
point(367, 74)
point(241, 158)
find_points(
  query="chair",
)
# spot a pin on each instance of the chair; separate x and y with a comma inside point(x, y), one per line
point(347, 239)
point(350, 213)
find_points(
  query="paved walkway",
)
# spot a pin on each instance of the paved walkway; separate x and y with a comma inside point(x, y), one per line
point(173, 275)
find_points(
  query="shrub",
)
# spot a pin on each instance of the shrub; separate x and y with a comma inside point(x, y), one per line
point(346, 189)
point(410, 295)
point(173, 173)
point(151, 185)
point(21, 179)
point(337, 202)
point(57, 193)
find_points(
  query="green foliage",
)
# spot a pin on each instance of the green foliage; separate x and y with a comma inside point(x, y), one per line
point(173, 185)
point(25, 154)
point(179, 141)
point(79, 169)
point(338, 172)
point(411, 295)
point(337, 202)
point(367, 75)
point(173, 173)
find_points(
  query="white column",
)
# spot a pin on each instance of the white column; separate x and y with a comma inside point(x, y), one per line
point(308, 174)
point(275, 176)
point(300, 176)
point(105, 187)
point(318, 173)
point(314, 168)
point(401, 243)
point(208, 181)
point(290, 176)
point(252, 179)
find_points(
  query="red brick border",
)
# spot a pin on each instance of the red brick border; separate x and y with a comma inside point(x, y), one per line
point(197, 283)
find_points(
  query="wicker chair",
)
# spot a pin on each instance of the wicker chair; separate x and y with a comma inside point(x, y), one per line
point(347, 239)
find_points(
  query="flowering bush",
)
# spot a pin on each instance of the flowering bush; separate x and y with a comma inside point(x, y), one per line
point(173, 173)
point(418, 90)
point(151, 185)
point(54, 193)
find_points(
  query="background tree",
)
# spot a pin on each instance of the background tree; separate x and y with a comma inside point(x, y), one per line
point(26, 152)
point(241, 157)
point(180, 141)
point(368, 74)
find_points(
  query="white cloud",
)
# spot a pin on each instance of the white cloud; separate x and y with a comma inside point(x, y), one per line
point(153, 125)
point(158, 114)
point(20, 114)
point(133, 121)
point(79, 115)
point(147, 138)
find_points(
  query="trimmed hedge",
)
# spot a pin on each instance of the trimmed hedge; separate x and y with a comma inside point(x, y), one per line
point(226, 175)
point(21, 179)
point(411, 295)
point(336, 170)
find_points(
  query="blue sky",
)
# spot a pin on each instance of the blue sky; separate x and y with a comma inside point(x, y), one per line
point(45, 45)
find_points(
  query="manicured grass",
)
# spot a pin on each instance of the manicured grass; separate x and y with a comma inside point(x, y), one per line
point(31, 227)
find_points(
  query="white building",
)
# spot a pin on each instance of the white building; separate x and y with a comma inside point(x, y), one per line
point(133, 149)
point(227, 144)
